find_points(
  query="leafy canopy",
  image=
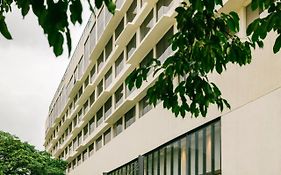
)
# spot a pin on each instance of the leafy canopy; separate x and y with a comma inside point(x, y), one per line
point(21, 158)
point(205, 42)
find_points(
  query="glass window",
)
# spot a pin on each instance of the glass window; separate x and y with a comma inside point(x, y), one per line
point(100, 22)
point(79, 159)
point(130, 117)
point(108, 48)
point(86, 83)
point(92, 98)
point(93, 73)
point(163, 7)
point(100, 88)
point(119, 64)
point(107, 136)
point(163, 47)
point(85, 131)
point(85, 155)
point(79, 138)
point(93, 37)
point(100, 62)
point(74, 121)
point(100, 116)
point(91, 149)
point(118, 127)
point(108, 78)
point(108, 107)
point(86, 106)
point(119, 96)
point(147, 61)
point(144, 106)
point(119, 29)
point(80, 115)
point(99, 143)
point(131, 47)
point(92, 125)
point(75, 143)
point(147, 24)
point(132, 11)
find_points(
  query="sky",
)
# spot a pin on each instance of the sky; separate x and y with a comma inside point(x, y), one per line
point(29, 76)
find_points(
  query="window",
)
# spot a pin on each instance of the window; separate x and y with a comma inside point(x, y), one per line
point(163, 47)
point(163, 7)
point(196, 152)
point(91, 149)
point(74, 121)
point(132, 12)
point(92, 98)
point(147, 24)
point(86, 106)
point(74, 163)
point(99, 143)
point(118, 127)
point(75, 143)
point(85, 132)
point(100, 62)
point(130, 117)
point(100, 88)
point(119, 96)
point(86, 83)
point(107, 107)
point(147, 61)
point(119, 64)
point(79, 160)
point(79, 115)
point(131, 47)
point(93, 73)
point(100, 116)
point(93, 37)
point(79, 138)
point(107, 136)
point(144, 106)
point(100, 22)
point(119, 29)
point(92, 125)
point(108, 78)
point(85, 155)
point(108, 48)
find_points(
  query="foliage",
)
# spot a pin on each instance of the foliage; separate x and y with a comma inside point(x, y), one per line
point(18, 158)
point(54, 16)
point(206, 41)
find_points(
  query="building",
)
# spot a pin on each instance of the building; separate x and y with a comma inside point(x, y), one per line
point(99, 126)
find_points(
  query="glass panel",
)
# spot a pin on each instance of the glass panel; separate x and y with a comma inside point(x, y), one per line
point(132, 11)
point(85, 155)
point(99, 143)
point(100, 62)
point(118, 127)
point(85, 132)
point(108, 78)
point(107, 136)
point(130, 117)
point(119, 29)
point(92, 125)
point(119, 96)
point(119, 64)
point(208, 150)
point(93, 37)
point(100, 22)
point(93, 73)
point(217, 146)
point(147, 24)
point(163, 47)
point(91, 149)
point(144, 106)
point(169, 160)
point(183, 156)
point(131, 47)
point(108, 48)
point(192, 154)
point(92, 98)
point(163, 7)
point(147, 61)
point(107, 107)
point(99, 116)
point(176, 158)
point(100, 88)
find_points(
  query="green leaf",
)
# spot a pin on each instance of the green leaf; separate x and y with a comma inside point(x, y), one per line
point(76, 11)
point(277, 44)
point(4, 29)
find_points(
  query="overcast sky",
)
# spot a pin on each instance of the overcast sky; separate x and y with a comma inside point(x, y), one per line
point(29, 77)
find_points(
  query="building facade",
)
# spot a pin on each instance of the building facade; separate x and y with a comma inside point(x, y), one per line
point(101, 127)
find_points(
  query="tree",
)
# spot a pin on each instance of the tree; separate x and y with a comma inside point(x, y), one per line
point(21, 158)
point(206, 42)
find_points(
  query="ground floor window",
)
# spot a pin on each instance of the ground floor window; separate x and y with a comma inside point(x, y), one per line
point(194, 153)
